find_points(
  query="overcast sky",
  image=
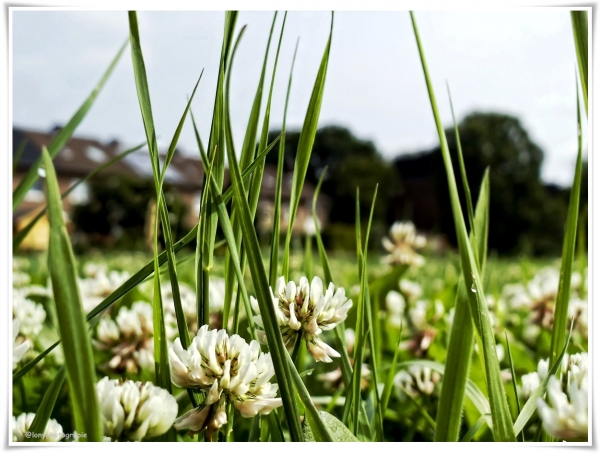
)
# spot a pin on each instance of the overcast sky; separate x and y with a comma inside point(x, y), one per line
point(518, 62)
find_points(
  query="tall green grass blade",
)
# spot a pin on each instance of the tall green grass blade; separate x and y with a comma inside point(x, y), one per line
point(320, 430)
point(261, 284)
point(21, 235)
point(274, 263)
point(389, 382)
point(161, 352)
point(63, 136)
point(77, 348)
point(44, 411)
point(305, 144)
point(216, 145)
point(461, 161)
point(361, 324)
point(458, 358)
point(321, 248)
point(247, 154)
point(514, 381)
point(579, 21)
point(502, 422)
point(563, 297)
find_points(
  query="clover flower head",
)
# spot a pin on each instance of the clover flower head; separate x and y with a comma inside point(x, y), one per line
point(305, 308)
point(225, 368)
point(30, 314)
point(99, 284)
point(132, 411)
point(129, 337)
point(19, 348)
point(417, 380)
point(22, 424)
point(565, 415)
point(403, 246)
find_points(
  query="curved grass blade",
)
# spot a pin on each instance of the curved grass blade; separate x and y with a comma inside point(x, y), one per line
point(21, 235)
point(502, 422)
point(320, 430)
point(275, 235)
point(216, 145)
point(77, 348)
point(320, 246)
point(44, 411)
point(450, 404)
point(63, 136)
point(305, 144)
point(389, 383)
point(475, 428)
point(579, 21)
point(563, 297)
point(514, 381)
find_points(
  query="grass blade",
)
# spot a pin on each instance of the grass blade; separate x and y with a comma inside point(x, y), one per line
point(44, 411)
point(450, 404)
point(563, 297)
point(389, 383)
point(502, 422)
point(305, 144)
point(21, 235)
point(475, 428)
point(18, 153)
point(320, 246)
point(63, 136)
point(77, 348)
point(579, 21)
point(514, 381)
point(274, 264)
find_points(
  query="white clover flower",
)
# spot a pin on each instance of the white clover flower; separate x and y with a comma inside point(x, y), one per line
point(22, 423)
point(305, 308)
point(531, 382)
point(30, 314)
point(395, 303)
point(19, 349)
point(20, 278)
point(417, 380)
point(412, 290)
point(129, 338)
point(565, 416)
point(404, 244)
point(225, 368)
point(132, 411)
point(99, 286)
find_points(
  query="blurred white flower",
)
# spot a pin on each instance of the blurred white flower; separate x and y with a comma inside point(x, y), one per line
point(129, 338)
point(395, 304)
point(225, 368)
point(20, 278)
point(305, 308)
point(404, 244)
point(30, 314)
point(531, 382)
point(132, 411)
point(309, 226)
point(19, 348)
point(99, 285)
point(417, 380)
point(566, 415)
point(412, 290)
point(22, 423)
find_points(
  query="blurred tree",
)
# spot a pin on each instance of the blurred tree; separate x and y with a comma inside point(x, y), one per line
point(351, 163)
point(525, 215)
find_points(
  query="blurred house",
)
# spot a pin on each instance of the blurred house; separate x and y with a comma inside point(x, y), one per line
point(80, 156)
